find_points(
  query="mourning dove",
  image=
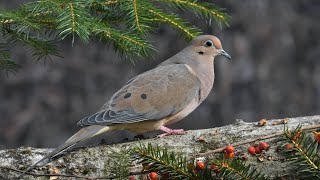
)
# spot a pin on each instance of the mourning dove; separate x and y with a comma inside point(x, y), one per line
point(156, 98)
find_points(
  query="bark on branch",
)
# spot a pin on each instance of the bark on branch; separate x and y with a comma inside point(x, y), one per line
point(95, 162)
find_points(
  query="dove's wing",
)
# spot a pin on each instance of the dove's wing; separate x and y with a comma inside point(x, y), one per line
point(153, 95)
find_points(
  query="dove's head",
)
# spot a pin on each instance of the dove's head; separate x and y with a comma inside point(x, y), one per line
point(208, 45)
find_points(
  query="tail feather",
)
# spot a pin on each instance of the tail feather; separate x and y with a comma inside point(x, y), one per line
point(81, 135)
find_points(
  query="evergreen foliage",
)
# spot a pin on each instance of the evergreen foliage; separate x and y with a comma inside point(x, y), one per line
point(39, 25)
point(304, 155)
point(178, 167)
point(237, 169)
point(6, 63)
point(160, 160)
point(120, 161)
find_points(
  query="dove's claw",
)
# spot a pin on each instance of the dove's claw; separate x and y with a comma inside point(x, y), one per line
point(169, 131)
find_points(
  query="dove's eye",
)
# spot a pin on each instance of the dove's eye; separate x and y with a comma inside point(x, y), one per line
point(208, 43)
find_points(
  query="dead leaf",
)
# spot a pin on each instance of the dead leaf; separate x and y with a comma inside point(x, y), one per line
point(201, 139)
point(261, 158)
point(53, 178)
point(53, 170)
point(262, 122)
point(285, 121)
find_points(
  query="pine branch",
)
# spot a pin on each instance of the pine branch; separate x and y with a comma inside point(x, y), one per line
point(237, 169)
point(99, 6)
point(74, 20)
point(121, 161)
point(124, 42)
point(304, 154)
point(177, 166)
point(135, 10)
point(6, 63)
point(124, 23)
point(206, 10)
point(162, 161)
point(137, 15)
point(19, 18)
point(40, 48)
point(175, 22)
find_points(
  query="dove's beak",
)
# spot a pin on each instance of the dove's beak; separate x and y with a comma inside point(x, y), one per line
point(225, 54)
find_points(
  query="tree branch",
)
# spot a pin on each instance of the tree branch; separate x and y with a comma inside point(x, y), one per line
point(99, 161)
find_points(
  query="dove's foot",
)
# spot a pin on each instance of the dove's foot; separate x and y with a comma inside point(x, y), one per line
point(169, 131)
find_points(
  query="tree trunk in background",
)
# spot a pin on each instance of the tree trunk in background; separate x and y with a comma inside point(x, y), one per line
point(96, 161)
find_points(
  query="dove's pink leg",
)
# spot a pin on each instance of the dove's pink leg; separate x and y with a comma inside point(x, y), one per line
point(169, 131)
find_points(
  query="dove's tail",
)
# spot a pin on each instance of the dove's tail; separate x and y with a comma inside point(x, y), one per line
point(81, 135)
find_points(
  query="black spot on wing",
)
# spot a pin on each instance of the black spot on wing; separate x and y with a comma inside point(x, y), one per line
point(143, 96)
point(127, 95)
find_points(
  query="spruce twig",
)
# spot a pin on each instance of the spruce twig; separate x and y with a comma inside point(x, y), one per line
point(237, 169)
point(304, 154)
point(125, 23)
point(162, 161)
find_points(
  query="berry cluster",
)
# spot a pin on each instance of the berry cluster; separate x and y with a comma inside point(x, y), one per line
point(229, 152)
point(201, 166)
point(258, 148)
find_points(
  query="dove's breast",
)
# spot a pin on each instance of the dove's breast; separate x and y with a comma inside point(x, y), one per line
point(182, 114)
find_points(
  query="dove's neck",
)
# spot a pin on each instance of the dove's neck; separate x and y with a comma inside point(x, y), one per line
point(205, 73)
point(201, 65)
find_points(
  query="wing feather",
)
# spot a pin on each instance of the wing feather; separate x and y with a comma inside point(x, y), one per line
point(153, 95)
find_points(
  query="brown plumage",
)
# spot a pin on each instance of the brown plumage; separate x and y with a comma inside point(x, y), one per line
point(156, 98)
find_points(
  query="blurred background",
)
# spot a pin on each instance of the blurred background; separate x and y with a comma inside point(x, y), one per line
point(275, 73)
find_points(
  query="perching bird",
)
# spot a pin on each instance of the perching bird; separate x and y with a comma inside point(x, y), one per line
point(156, 98)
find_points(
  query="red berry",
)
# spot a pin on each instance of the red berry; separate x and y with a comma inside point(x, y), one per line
point(252, 150)
point(263, 146)
point(229, 149)
point(288, 146)
point(200, 166)
point(215, 168)
point(229, 155)
point(316, 136)
point(132, 178)
point(153, 176)
point(258, 150)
